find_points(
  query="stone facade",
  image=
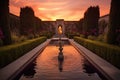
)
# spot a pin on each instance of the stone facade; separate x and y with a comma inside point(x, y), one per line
point(103, 24)
point(67, 26)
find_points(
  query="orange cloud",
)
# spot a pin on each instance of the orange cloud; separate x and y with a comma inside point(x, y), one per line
point(63, 9)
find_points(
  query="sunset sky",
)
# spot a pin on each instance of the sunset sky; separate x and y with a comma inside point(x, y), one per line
point(59, 9)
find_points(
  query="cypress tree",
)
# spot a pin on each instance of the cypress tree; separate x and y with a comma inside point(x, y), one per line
point(38, 25)
point(113, 36)
point(27, 21)
point(80, 27)
point(4, 21)
point(90, 22)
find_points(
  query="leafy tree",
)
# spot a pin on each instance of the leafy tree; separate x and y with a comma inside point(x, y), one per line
point(90, 23)
point(27, 21)
point(113, 36)
point(4, 22)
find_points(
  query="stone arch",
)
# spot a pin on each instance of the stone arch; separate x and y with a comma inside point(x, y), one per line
point(60, 22)
point(59, 28)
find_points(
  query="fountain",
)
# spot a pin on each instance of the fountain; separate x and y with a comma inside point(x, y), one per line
point(49, 64)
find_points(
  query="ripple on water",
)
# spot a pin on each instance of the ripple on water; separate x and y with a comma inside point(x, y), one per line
point(47, 66)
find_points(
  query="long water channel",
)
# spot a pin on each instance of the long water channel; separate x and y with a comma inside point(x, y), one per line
point(47, 66)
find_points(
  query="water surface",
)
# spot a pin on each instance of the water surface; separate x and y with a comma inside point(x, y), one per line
point(47, 67)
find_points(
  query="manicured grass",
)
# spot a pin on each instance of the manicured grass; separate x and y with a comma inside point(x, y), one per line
point(109, 52)
point(12, 52)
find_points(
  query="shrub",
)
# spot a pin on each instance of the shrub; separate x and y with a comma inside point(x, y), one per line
point(31, 36)
point(37, 36)
point(17, 39)
point(12, 52)
point(109, 52)
point(92, 37)
point(1, 42)
point(23, 38)
point(71, 35)
point(82, 35)
point(100, 38)
point(47, 34)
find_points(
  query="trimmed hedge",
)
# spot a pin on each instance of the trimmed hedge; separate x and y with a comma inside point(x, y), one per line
point(111, 53)
point(47, 34)
point(12, 52)
point(71, 35)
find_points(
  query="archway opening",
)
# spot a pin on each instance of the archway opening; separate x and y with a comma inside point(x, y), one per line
point(60, 31)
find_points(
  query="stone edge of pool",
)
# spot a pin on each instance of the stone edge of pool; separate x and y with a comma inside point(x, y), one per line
point(107, 69)
point(13, 69)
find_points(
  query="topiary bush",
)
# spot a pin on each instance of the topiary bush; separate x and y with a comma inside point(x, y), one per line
point(109, 52)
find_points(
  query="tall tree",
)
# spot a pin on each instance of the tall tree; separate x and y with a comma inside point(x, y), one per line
point(27, 21)
point(80, 27)
point(113, 36)
point(4, 21)
point(38, 25)
point(90, 22)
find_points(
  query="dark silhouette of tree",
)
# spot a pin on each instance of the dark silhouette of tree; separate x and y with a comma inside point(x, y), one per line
point(4, 22)
point(80, 27)
point(90, 23)
point(38, 25)
point(14, 24)
point(27, 21)
point(113, 36)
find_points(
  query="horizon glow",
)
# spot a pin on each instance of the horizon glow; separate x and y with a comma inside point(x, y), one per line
point(71, 10)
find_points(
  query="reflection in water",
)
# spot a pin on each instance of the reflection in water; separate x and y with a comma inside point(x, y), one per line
point(88, 69)
point(60, 65)
point(60, 56)
point(29, 71)
point(47, 65)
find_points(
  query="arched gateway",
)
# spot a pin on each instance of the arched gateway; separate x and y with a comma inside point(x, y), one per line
point(60, 23)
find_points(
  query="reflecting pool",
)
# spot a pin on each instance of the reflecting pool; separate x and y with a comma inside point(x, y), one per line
point(47, 67)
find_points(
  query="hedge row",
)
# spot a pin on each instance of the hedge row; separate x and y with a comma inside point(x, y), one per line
point(12, 52)
point(47, 34)
point(71, 35)
point(109, 52)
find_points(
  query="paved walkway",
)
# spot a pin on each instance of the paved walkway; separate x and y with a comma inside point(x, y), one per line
point(108, 70)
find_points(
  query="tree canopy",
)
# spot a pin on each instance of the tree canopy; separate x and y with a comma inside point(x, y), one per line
point(113, 36)
point(90, 23)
